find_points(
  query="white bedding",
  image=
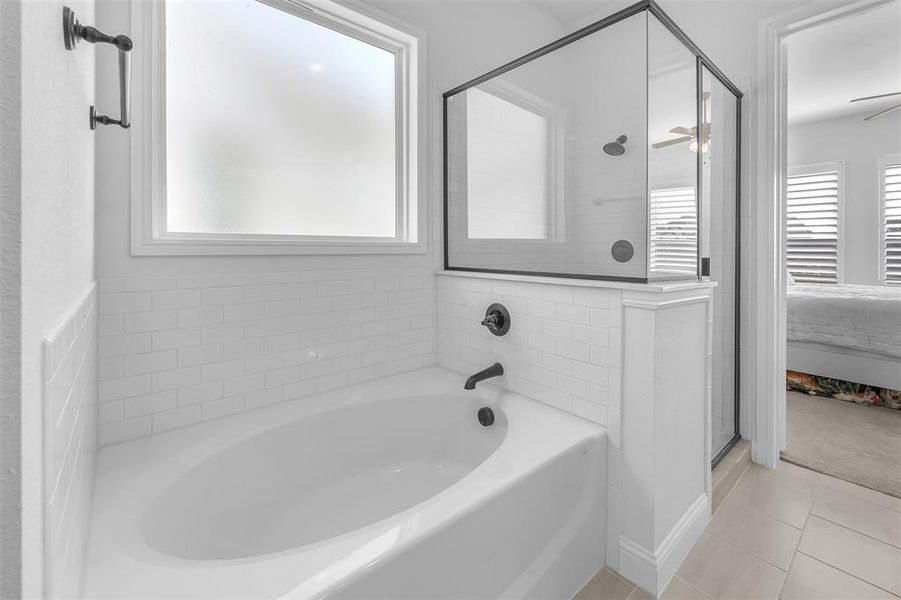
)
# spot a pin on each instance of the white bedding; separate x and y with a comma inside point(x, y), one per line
point(860, 317)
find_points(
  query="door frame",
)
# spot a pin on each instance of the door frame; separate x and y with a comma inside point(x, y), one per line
point(768, 216)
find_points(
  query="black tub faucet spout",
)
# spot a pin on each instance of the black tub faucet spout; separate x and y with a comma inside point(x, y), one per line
point(495, 370)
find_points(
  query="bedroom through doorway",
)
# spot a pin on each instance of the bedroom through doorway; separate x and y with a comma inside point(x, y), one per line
point(843, 249)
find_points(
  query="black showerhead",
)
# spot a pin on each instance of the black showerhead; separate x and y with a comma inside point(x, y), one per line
point(616, 148)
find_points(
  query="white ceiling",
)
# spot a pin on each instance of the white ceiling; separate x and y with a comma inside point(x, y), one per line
point(569, 12)
point(849, 58)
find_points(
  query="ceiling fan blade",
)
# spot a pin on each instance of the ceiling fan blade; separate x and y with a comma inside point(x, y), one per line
point(684, 130)
point(875, 97)
point(882, 112)
point(672, 142)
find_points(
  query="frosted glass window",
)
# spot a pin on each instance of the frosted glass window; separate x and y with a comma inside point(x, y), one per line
point(507, 169)
point(277, 125)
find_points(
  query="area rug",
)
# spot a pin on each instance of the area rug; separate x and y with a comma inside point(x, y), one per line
point(860, 444)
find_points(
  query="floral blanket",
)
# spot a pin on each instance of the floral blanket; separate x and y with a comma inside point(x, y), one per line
point(843, 390)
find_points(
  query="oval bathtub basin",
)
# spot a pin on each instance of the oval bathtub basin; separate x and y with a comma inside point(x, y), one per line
point(387, 489)
point(319, 477)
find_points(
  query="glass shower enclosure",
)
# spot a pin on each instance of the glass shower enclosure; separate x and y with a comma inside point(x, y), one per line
point(610, 154)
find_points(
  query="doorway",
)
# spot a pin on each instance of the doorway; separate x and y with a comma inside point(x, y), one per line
point(831, 153)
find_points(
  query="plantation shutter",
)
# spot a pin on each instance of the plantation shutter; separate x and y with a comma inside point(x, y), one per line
point(674, 230)
point(812, 227)
point(891, 199)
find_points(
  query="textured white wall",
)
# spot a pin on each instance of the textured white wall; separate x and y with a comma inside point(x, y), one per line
point(10, 298)
point(57, 226)
point(859, 144)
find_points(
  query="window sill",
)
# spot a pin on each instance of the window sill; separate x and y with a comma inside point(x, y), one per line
point(182, 247)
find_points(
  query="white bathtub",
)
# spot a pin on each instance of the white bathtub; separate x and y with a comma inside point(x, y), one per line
point(389, 489)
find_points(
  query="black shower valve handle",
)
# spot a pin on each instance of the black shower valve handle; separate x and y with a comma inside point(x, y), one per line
point(490, 321)
point(497, 319)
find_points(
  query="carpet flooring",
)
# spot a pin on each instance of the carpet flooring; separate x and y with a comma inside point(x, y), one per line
point(860, 444)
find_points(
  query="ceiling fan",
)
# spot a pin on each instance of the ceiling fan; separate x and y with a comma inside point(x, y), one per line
point(881, 112)
point(689, 134)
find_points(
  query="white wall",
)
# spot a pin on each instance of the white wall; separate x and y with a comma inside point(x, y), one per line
point(57, 228)
point(10, 299)
point(859, 144)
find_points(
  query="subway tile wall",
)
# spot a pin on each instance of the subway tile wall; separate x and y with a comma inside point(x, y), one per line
point(175, 351)
point(70, 444)
point(564, 348)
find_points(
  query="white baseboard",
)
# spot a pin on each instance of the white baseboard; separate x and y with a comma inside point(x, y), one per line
point(654, 570)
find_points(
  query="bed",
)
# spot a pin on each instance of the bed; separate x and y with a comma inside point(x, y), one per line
point(847, 332)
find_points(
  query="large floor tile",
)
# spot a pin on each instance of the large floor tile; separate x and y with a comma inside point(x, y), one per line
point(726, 572)
point(854, 553)
point(858, 514)
point(784, 497)
point(759, 534)
point(810, 579)
point(640, 593)
point(861, 492)
point(679, 589)
point(606, 585)
point(785, 474)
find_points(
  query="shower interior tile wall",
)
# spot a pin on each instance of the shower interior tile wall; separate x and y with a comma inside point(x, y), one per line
point(70, 447)
point(564, 348)
point(180, 350)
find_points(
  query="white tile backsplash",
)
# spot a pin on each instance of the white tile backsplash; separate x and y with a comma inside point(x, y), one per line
point(549, 354)
point(70, 444)
point(178, 350)
point(564, 348)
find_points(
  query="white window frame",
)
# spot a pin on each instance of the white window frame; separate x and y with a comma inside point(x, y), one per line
point(884, 162)
point(813, 169)
point(148, 141)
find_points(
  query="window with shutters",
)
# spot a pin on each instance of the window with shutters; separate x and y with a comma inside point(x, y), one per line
point(890, 188)
point(674, 230)
point(812, 224)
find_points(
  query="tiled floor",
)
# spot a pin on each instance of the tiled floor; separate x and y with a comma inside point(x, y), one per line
point(789, 534)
